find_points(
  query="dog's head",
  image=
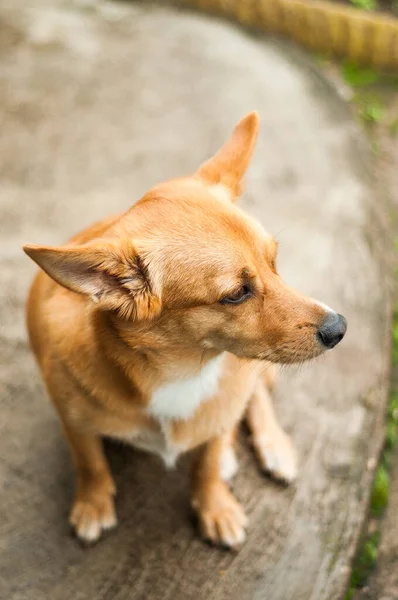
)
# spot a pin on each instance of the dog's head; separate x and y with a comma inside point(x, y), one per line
point(188, 263)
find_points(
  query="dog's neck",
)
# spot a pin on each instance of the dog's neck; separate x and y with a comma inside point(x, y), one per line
point(147, 349)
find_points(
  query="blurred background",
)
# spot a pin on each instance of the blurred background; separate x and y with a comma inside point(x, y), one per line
point(101, 100)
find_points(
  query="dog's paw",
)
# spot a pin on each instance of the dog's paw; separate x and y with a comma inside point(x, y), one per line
point(90, 517)
point(276, 455)
point(221, 518)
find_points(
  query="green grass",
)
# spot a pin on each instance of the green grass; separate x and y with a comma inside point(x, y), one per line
point(393, 408)
point(370, 108)
point(368, 103)
point(364, 4)
point(356, 76)
point(395, 326)
point(366, 560)
point(380, 492)
point(391, 436)
point(371, 92)
point(350, 593)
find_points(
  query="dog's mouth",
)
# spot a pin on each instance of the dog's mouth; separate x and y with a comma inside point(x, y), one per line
point(324, 337)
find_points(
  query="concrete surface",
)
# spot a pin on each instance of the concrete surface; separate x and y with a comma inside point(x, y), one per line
point(96, 105)
point(383, 583)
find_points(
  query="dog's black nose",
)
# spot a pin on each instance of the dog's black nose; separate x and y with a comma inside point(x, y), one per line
point(332, 330)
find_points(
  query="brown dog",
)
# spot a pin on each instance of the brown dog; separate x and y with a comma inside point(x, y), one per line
point(153, 327)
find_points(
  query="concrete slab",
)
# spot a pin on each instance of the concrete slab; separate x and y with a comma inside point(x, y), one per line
point(99, 102)
point(383, 584)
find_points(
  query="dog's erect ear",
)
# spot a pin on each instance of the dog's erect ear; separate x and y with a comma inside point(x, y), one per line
point(229, 165)
point(113, 276)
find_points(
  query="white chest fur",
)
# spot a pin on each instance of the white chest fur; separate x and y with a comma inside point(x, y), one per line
point(179, 399)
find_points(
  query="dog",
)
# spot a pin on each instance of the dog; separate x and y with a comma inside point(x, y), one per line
point(154, 327)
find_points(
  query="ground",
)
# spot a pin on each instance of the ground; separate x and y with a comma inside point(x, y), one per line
point(98, 103)
point(374, 99)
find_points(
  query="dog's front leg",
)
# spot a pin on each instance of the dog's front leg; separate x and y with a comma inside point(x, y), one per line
point(271, 444)
point(93, 508)
point(221, 518)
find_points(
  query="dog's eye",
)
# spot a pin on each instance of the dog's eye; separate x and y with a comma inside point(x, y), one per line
point(238, 296)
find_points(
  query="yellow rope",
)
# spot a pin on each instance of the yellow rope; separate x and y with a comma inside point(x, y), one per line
point(365, 38)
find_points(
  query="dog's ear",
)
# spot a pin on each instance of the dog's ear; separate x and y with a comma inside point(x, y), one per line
point(229, 165)
point(114, 276)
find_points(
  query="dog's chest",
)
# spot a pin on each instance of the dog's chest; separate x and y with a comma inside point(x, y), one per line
point(179, 399)
point(175, 401)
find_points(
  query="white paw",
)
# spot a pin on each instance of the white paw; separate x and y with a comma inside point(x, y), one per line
point(89, 520)
point(232, 535)
point(228, 464)
point(225, 528)
point(221, 517)
point(276, 455)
